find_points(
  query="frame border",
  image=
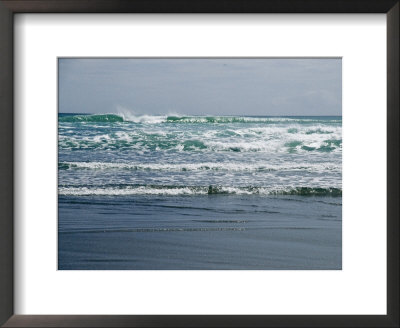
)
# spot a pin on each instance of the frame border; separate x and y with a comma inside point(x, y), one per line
point(10, 7)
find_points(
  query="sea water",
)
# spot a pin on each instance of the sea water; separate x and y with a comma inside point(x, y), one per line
point(199, 192)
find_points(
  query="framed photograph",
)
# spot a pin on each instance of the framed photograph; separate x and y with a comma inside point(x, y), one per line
point(195, 164)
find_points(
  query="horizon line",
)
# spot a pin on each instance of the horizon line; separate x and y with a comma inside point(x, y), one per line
point(188, 115)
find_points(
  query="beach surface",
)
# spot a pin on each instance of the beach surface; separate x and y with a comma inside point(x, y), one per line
point(205, 232)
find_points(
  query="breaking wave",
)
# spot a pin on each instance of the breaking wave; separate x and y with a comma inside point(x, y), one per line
point(208, 166)
point(156, 119)
point(91, 118)
point(124, 190)
point(183, 155)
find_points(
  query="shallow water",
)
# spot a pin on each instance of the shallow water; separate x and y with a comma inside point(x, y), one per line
point(199, 232)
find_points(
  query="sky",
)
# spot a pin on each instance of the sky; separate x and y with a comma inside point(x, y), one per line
point(202, 86)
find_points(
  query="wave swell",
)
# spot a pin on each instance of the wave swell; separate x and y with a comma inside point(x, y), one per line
point(124, 190)
point(156, 119)
point(207, 166)
point(91, 118)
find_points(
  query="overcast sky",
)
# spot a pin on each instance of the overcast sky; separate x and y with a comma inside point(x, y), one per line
point(201, 86)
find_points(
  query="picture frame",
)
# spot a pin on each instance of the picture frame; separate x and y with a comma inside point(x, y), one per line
point(10, 7)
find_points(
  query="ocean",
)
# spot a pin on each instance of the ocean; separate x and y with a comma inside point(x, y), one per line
point(199, 192)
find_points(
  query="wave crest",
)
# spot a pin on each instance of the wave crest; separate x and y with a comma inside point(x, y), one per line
point(91, 118)
point(156, 119)
point(205, 166)
point(124, 190)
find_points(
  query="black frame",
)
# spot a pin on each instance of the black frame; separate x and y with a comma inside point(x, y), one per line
point(7, 9)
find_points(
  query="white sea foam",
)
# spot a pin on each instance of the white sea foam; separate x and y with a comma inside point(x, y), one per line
point(149, 119)
point(182, 190)
point(84, 191)
point(265, 155)
point(229, 166)
point(270, 138)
